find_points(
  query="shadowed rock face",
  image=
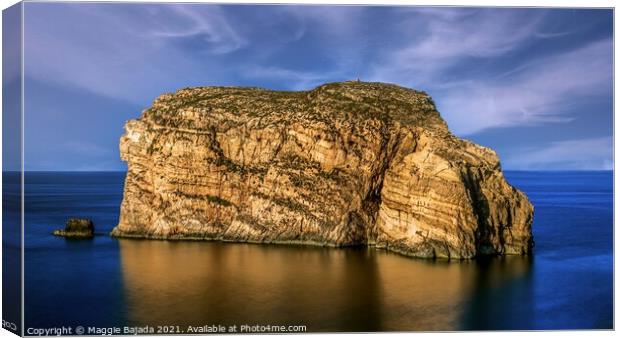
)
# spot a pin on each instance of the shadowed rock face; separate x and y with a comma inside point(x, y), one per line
point(348, 163)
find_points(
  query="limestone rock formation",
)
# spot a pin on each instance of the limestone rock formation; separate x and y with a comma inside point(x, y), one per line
point(350, 163)
point(77, 228)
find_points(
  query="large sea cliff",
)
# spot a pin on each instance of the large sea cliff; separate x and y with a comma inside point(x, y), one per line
point(344, 164)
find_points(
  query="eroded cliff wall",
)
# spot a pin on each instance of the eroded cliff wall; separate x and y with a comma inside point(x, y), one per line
point(344, 164)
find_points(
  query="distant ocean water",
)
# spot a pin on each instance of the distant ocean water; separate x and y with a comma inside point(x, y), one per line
point(566, 284)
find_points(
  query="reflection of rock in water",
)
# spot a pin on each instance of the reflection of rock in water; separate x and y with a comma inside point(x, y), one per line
point(327, 290)
point(499, 283)
point(424, 295)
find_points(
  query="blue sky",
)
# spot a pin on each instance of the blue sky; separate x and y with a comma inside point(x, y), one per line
point(533, 84)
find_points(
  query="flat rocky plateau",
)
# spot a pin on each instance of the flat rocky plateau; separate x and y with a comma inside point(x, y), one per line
point(350, 163)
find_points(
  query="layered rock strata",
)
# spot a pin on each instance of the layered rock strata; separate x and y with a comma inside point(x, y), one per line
point(349, 163)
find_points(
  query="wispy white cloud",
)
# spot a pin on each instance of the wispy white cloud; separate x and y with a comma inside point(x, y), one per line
point(137, 52)
point(339, 21)
point(539, 89)
point(336, 31)
point(339, 30)
point(208, 24)
point(130, 53)
point(541, 92)
point(581, 154)
point(441, 38)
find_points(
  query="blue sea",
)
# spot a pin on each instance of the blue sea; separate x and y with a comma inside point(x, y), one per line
point(106, 282)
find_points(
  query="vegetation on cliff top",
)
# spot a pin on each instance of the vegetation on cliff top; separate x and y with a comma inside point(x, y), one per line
point(351, 102)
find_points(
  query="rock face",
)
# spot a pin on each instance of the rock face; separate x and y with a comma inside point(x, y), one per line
point(77, 228)
point(349, 163)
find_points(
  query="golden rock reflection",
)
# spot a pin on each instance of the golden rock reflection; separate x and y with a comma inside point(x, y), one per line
point(204, 283)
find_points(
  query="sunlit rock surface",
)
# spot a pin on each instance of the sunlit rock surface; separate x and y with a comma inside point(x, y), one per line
point(349, 163)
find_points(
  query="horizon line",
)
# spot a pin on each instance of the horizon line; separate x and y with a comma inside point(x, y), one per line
point(124, 171)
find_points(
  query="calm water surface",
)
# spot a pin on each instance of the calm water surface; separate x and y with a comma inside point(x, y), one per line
point(567, 284)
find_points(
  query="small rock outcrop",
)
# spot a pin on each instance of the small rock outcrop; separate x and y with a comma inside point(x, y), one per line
point(77, 228)
point(350, 163)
